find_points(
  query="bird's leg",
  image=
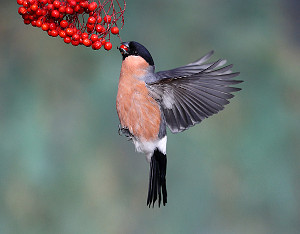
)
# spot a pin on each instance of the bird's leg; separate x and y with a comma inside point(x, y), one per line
point(119, 129)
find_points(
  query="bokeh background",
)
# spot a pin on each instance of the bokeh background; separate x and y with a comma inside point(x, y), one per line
point(65, 169)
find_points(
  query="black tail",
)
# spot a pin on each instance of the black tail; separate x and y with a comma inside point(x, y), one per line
point(157, 179)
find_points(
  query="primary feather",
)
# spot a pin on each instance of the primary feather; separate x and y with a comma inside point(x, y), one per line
point(191, 93)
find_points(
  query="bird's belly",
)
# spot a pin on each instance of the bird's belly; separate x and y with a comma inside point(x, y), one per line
point(138, 111)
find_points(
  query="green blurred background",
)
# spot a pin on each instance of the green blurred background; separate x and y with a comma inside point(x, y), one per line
point(65, 169)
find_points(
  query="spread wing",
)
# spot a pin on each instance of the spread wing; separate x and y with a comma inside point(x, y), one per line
point(189, 69)
point(193, 92)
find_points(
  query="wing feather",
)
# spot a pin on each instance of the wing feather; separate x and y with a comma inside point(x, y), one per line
point(188, 69)
point(190, 113)
point(191, 93)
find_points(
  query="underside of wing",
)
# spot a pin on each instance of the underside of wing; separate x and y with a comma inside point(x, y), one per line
point(195, 93)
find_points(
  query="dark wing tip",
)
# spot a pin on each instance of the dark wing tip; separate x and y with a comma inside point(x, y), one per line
point(233, 74)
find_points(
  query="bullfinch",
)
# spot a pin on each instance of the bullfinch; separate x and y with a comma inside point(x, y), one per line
point(148, 102)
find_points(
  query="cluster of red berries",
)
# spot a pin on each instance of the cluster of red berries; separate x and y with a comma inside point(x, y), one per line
point(76, 21)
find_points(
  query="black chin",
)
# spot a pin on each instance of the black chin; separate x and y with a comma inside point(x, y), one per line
point(124, 55)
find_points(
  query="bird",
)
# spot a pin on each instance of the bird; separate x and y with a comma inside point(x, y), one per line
point(149, 102)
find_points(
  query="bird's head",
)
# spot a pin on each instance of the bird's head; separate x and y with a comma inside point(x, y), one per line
point(133, 48)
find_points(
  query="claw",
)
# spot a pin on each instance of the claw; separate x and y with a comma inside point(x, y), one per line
point(125, 132)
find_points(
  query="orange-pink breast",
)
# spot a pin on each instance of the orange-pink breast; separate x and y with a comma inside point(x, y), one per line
point(137, 111)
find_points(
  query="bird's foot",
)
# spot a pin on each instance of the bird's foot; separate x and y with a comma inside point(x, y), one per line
point(125, 132)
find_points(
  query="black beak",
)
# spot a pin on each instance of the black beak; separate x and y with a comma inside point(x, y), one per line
point(122, 51)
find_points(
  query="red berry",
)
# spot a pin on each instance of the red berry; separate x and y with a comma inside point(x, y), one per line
point(94, 37)
point(75, 37)
point(31, 2)
point(99, 19)
point(25, 4)
point(96, 45)
point(64, 23)
point(62, 34)
point(91, 20)
point(62, 9)
point(25, 16)
point(72, 3)
point(114, 30)
point(75, 43)
point(20, 2)
point(69, 10)
point(33, 23)
point(56, 4)
point(84, 4)
point(84, 35)
point(22, 10)
point(54, 33)
point(34, 7)
point(50, 7)
point(99, 28)
point(87, 42)
point(69, 31)
point(90, 26)
point(39, 12)
point(78, 9)
point(27, 21)
point(92, 6)
point(103, 41)
point(55, 13)
point(107, 19)
point(124, 47)
point(107, 46)
point(45, 27)
point(67, 40)
point(39, 23)
point(52, 26)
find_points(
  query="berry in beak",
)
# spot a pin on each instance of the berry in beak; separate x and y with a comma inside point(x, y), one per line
point(123, 49)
